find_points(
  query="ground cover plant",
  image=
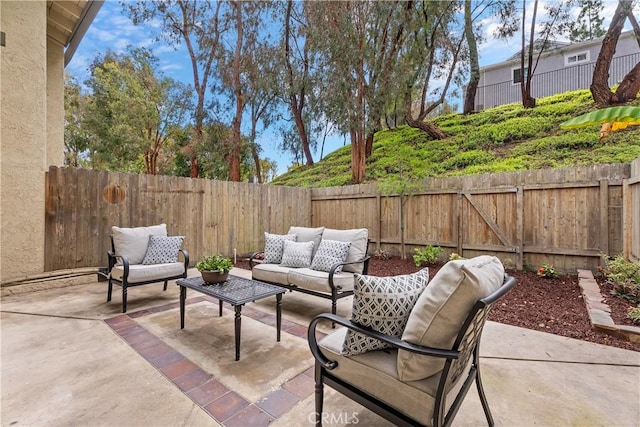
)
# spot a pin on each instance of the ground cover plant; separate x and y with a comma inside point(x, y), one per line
point(547, 304)
point(507, 138)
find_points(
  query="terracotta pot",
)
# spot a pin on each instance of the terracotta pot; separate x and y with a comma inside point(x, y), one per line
point(214, 276)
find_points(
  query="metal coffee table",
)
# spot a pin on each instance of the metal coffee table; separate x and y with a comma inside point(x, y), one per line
point(237, 292)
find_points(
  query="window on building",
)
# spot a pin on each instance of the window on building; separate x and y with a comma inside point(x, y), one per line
point(576, 58)
point(517, 76)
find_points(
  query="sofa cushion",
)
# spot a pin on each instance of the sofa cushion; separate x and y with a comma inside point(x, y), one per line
point(358, 249)
point(315, 280)
point(439, 313)
point(306, 234)
point(296, 254)
point(144, 273)
point(384, 305)
point(162, 250)
point(375, 372)
point(132, 242)
point(273, 246)
point(330, 253)
point(272, 273)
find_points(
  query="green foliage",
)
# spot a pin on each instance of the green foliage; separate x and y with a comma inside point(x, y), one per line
point(217, 263)
point(624, 275)
point(548, 271)
point(633, 313)
point(507, 138)
point(454, 256)
point(428, 255)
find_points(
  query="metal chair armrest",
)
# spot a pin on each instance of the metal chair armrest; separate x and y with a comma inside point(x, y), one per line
point(252, 259)
point(393, 341)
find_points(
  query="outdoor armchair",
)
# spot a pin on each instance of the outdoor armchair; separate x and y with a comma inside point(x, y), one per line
point(144, 255)
point(414, 379)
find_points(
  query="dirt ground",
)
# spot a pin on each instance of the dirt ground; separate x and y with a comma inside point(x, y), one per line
point(549, 305)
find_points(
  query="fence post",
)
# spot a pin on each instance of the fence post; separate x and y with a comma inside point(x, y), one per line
point(604, 216)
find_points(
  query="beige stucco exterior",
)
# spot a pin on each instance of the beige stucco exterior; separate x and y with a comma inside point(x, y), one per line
point(32, 132)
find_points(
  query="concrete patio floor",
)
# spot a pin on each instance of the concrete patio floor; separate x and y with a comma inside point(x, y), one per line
point(69, 358)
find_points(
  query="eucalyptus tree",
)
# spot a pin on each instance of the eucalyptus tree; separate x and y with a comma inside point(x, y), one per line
point(262, 100)
point(76, 137)
point(197, 25)
point(298, 71)
point(474, 13)
point(630, 84)
point(359, 43)
point(132, 112)
point(588, 25)
point(430, 60)
point(241, 61)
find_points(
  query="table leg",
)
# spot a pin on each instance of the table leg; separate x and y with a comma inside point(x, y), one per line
point(183, 297)
point(220, 305)
point(278, 315)
point(237, 330)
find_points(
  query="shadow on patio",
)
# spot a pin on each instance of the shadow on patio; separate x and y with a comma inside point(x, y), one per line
point(70, 358)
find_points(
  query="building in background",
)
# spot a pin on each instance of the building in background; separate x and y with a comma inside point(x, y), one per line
point(564, 67)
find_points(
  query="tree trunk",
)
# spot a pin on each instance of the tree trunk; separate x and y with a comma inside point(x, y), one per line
point(600, 90)
point(630, 86)
point(256, 160)
point(236, 140)
point(474, 76)
point(358, 158)
point(297, 105)
point(427, 127)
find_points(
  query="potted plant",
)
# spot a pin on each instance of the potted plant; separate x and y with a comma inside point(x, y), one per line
point(214, 268)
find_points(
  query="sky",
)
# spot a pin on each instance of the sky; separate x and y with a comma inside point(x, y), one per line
point(112, 29)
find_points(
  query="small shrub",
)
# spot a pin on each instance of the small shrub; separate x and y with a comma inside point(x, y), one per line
point(624, 275)
point(634, 314)
point(454, 256)
point(548, 271)
point(428, 255)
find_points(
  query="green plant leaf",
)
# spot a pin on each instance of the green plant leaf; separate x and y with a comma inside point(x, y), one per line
point(624, 114)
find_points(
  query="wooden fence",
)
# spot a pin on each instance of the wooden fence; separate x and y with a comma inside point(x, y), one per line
point(566, 217)
point(214, 216)
point(631, 224)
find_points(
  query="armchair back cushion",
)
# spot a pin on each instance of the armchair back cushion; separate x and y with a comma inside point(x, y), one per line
point(132, 242)
point(306, 234)
point(442, 308)
point(358, 249)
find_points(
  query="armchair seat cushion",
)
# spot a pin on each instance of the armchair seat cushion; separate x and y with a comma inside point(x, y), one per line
point(144, 273)
point(376, 372)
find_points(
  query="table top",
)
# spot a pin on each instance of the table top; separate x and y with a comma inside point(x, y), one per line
point(235, 290)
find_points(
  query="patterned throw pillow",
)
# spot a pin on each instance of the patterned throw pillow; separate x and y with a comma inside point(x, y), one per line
point(330, 253)
point(384, 305)
point(273, 246)
point(296, 254)
point(162, 250)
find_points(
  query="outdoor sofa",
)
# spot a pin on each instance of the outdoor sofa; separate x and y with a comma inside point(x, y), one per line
point(316, 261)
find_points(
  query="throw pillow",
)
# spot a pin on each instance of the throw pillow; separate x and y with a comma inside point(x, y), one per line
point(358, 250)
point(307, 234)
point(330, 253)
point(442, 309)
point(273, 246)
point(296, 254)
point(384, 305)
point(162, 250)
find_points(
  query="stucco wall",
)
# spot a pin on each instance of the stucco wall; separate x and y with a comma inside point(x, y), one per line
point(55, 104)
point(23, 146)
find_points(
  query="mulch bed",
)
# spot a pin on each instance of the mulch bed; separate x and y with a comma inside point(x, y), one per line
point(550, 305)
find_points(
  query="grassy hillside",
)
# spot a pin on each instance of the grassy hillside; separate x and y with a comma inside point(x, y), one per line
point(502, 139)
